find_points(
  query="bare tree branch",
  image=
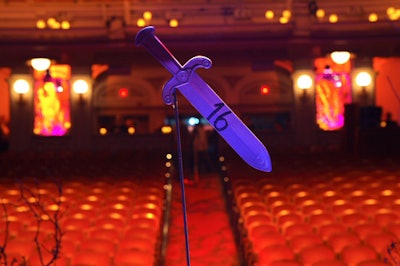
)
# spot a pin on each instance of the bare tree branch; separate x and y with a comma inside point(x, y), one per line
point(38, 208)
point(3, 254)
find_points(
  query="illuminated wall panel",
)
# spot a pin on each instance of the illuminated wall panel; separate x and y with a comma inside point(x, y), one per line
point(52, 102)
point(332, 92)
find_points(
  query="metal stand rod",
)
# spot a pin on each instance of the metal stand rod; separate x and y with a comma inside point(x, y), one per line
point(181, 178)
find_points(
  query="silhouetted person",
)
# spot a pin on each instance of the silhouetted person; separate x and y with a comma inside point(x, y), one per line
point(389, 122)
point(4, 134)
point(213, 149)
point(200, 145)
point(187, 151)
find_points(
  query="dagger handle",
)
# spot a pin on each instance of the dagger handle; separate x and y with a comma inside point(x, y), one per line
point(156, 48)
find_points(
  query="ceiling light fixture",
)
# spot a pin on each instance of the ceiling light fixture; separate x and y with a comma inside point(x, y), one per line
point(173, 23)
point(333, 18)
point(340, 57)
point(269, 14)
point(40, 64)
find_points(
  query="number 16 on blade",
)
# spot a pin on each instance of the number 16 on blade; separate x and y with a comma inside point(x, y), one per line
point(206, 101)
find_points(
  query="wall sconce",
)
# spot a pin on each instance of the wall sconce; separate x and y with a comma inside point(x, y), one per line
point(80, 87)
point(363, 80)
point(304, 82)
point(21, 87)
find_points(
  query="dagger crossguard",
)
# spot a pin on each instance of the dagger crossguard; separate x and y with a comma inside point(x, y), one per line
point(183, 76)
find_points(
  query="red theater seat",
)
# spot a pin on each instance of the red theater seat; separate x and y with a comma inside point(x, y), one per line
point(364, 229)
point(339, 241)
point(302, 241)
point(385, 217)
point(273, 254)
point(20, 247)
point(380, 241)
point(266, 239)
point(113, 234)
point(309, 207)
point(91, 258)
point(138, 243)
point(256, 230)
point(133, 258)
point(98, 245)
point(329, 229)
point(285, 263)
point(317, 253)
point(35, 259)
point(292, 229)
point(286, 216)
point(253, 206)
point(329, 263)
point(353, 218)
point(394, 228)
point(353, 255)
point(319, 218)
point(372, 263)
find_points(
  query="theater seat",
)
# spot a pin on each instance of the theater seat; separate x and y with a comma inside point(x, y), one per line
point(273, 254)
point(266, 239)
point(285, 263)
point(380, 241)
point(317, 253)
point(91, 258)
point(394, 228)
point(329, 229)
point(364, 229)
point(329, 263)
point(302, 241)
point(133, 258)
point(385, 217)
point(292, 229)
point(341, 240)
point(353, 255)
point(372, 263)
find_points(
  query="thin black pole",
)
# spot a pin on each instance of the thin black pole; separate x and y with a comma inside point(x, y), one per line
point(181, 178)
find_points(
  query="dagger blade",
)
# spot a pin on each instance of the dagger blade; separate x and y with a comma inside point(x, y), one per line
point(206, 101)
point(226, 123)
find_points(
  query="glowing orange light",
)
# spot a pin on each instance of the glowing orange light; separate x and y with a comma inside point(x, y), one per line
point(147, 15)
point(269, 14)
point(141, 22)
point(103, 131)
point(166, 129)
point(333, 18)
point(123, 92)
point(131, 130)
point(265, 89)
point(40, 24)
point(173, 23)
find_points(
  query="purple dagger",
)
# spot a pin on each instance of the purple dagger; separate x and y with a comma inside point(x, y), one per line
point(206, 101)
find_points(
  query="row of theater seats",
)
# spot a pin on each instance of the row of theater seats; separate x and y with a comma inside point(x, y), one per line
point(103, 222)
point(342, 218)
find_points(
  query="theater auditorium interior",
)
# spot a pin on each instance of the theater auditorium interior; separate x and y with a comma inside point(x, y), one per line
point(96, 169)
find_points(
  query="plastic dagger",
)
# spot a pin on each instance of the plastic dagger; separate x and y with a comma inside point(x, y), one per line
point(205, 100)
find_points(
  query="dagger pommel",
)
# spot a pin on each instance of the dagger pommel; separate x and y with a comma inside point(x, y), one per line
point(156, 48)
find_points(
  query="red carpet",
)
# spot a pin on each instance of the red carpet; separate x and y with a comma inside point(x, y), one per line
point(210, 236)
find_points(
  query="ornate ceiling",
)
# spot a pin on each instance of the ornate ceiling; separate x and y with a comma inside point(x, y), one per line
point(203, 24)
